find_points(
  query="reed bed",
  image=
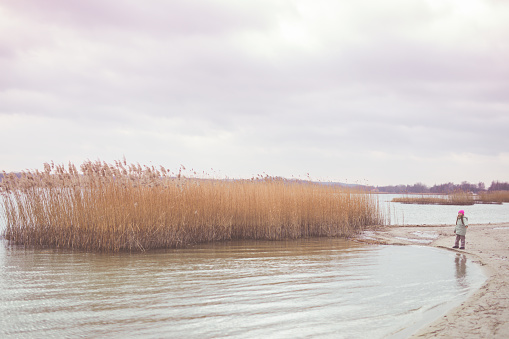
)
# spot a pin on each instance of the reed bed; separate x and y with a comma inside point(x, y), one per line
point(457, 198)
point(119, 207)
point(493, 197)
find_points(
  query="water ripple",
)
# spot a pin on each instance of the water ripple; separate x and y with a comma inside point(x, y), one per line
point(317, 288)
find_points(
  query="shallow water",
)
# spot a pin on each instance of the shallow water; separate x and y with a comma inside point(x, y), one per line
point(311, 288)
point(414, 214)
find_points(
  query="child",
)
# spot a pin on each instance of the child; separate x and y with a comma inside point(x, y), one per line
point(461, 229)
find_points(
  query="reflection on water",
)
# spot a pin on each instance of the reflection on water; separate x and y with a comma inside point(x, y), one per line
point(461, 269)
point(294, 289)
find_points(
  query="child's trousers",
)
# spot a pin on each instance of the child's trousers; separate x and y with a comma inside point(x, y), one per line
point(458, 238)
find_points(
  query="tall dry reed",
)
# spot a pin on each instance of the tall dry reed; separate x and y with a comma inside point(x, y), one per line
point(456, 198)
point(119, 207)
point(493, 197)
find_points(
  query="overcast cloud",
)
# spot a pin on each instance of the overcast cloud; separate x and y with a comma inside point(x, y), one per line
point(376, 92)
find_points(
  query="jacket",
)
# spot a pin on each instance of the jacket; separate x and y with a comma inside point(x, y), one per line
point(461, 228)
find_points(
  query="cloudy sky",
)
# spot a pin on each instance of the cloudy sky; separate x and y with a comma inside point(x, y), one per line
point(367, 91)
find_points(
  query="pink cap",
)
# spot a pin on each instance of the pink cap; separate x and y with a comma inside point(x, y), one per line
point(461, 212)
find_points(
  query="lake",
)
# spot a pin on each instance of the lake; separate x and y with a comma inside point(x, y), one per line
point(308, 288)
point(413, 214)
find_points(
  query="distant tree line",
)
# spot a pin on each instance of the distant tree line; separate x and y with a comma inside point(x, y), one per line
point(499, 186)
point(445, 188)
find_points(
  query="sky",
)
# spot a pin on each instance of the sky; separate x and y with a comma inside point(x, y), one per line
point(370, 92)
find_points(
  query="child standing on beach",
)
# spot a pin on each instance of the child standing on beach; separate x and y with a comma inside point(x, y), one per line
point(461, 229)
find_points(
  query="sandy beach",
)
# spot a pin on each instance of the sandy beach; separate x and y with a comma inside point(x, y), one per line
point(485, 314)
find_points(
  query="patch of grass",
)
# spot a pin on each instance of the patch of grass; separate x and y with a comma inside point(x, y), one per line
point(118, 207)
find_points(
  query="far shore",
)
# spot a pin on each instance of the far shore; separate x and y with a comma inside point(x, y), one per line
point(485, 314)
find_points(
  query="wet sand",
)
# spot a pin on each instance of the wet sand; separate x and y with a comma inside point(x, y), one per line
point(485, 314)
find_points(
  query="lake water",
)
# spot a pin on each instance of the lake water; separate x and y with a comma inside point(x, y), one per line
point(412, 214)
point(308, 288)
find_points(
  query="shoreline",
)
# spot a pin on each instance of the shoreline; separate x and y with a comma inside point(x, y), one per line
point(485, 313)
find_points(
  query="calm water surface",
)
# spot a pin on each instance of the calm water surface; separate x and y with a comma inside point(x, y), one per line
point(312, 288)
point(413, 214)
